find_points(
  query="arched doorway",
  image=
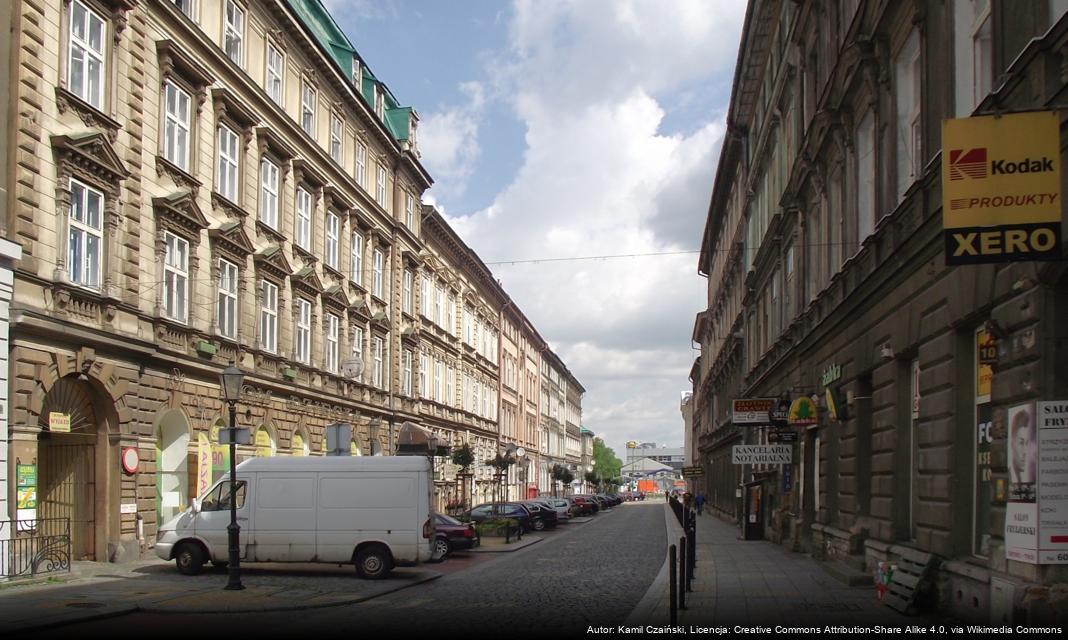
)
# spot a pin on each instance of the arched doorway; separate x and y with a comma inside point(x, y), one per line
point(265, 443)
point(172, 465)
point(68, 466)
point(300, 444)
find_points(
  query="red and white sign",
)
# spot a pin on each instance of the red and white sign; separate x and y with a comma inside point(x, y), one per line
point(130, 459)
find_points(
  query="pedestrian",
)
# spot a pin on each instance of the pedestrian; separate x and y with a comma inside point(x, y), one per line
point(700, 502)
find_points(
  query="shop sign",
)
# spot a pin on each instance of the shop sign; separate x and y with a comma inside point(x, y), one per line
point(753, 412)
point(58, 422)
point(204, 463)
point(1052, 493)
point(802, 412)
point(832, 374)
point(692, 472)
point(782, 437)
point(1001, 194)
point(984, 373)
point(762, 454)
point(26, 475)
point(780, 416)
point(836, 407)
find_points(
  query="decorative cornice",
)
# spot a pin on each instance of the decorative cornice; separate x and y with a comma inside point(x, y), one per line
point(89, 115)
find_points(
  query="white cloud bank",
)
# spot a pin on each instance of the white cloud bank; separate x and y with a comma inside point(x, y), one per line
point(588, 79)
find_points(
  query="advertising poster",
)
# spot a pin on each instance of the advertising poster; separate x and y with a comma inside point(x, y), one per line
point(1053, 482)
point(1021, 516)
point(220, 456)
point(204, 464)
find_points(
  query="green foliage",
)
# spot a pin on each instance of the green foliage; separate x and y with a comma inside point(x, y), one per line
point(567, 477)
point(501, 462)
point(496, 526)
point(591, 477)
point(463, 457)
point(605, 463)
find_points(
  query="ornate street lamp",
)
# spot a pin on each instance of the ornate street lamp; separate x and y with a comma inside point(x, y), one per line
point(230, 380)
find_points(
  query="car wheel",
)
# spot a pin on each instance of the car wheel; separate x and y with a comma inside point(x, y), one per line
point(538, 524)
point(190, 559)
point(373, 562)
point(442, 548)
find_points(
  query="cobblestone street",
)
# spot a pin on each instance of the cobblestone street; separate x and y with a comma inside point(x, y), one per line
point(578, 575)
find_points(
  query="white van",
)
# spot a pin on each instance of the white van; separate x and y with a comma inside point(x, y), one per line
point(373, 512)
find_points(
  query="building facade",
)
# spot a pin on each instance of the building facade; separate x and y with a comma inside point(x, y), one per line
point(195, 183)
point(824, 254)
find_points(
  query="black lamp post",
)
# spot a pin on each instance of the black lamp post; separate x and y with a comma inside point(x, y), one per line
point(230, 379)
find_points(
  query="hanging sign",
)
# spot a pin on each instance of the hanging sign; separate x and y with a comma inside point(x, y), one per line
point(802, 412)
point(58, 422)
point(762, 454)
point(752, 412)
point(782, 437)
point(26, 475)
point(1001, 193)
point(832, 374)
point(204, 463)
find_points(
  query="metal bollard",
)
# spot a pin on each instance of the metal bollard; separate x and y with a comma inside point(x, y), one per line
point(682, 573)
point(691, 555)
point(672, 586)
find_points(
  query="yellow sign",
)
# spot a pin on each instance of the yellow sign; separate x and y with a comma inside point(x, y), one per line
point(59, 422)
point(27, 498)
point(984, 372)
point(354, 450)
point(802, 412)
point(204, 463)
point(1001, 194)
point(632, 444)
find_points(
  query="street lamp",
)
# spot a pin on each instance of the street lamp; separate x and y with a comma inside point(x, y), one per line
point(230, 379)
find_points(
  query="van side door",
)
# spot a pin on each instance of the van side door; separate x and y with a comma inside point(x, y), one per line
point(214, 517)
point(285, 519)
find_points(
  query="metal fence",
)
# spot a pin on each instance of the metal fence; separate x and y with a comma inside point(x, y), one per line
point(34, 547)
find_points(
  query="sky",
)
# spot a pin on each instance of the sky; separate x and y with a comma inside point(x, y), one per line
point(558, 130)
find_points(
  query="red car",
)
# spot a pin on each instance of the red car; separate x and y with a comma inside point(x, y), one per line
point(451, 534)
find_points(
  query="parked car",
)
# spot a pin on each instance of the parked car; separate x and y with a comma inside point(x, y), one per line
point(542, 516)
point(496, 510)
point(562, 506)
point(312, 509)
point(582, 506)
point(598, 503)
point(450, 534)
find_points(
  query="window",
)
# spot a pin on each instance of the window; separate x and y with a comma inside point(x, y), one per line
point(302, 234)
point(337, 127)
point(176, 277)
point(406, 383)
point(380, 186)
point(377, 347)
point(275, 73)
point(332, 236)
point(424, 297)
point(865, 176)
point(268, 317)
point(269, 193)
point(86, 235)
point(409, 211)
point(357, 258)
point(439, 381)
point(361, 164)
point(973, 54)
point(439, 306)
point(227, 299)
point(788, 285)
point(176, 126)
point(907, 77)
point(307, 109)
point(450, 393)
point(185, 6)
point(233, 40)
point(406, 299)
point(226, 175)
point(302, 346)
point(451, 318)
point(357, 342)
point(424, 366)
point(85, 65)
point(333, 324)
point(376, 266)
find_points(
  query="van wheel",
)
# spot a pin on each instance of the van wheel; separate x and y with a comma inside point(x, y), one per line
point(190, 559)
point(373, 562)
point(538, 524)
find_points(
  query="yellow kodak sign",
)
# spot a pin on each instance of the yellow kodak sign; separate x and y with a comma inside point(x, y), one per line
point(1001, 193)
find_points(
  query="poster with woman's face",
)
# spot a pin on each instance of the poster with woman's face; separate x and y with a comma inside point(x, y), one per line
point(1023, 453)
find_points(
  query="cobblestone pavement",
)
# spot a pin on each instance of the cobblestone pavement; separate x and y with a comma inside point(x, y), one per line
point(577, 576)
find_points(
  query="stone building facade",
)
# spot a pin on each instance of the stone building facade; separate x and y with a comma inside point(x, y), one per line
point(824, 254)
point(194, 183)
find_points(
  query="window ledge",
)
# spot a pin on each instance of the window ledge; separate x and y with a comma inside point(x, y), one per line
point(90, 115)
point(270, 232)
point(306, 254)
point(181, 177)
point(229, 208)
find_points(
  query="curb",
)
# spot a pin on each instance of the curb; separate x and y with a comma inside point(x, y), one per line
point(646, 609)
point(482, 549)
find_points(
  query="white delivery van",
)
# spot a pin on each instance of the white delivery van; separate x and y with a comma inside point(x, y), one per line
point(371, 511)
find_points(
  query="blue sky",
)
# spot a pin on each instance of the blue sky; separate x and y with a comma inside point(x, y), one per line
point(558, 129)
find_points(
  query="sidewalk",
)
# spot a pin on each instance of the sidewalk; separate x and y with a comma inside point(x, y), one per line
point(759, 583)
point(98, 590)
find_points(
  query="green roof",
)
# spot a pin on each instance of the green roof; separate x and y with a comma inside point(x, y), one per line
point(332, 39)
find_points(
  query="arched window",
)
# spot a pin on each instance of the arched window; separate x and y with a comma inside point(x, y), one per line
point(265, 444)
point(301, 443)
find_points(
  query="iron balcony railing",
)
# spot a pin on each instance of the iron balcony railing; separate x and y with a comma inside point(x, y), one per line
point(34, 547)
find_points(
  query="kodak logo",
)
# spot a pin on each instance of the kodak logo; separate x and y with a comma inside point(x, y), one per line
point(1027, 165)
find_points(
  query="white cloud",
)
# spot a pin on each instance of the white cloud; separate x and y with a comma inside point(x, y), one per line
point(589, 81)
point(449, 142)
